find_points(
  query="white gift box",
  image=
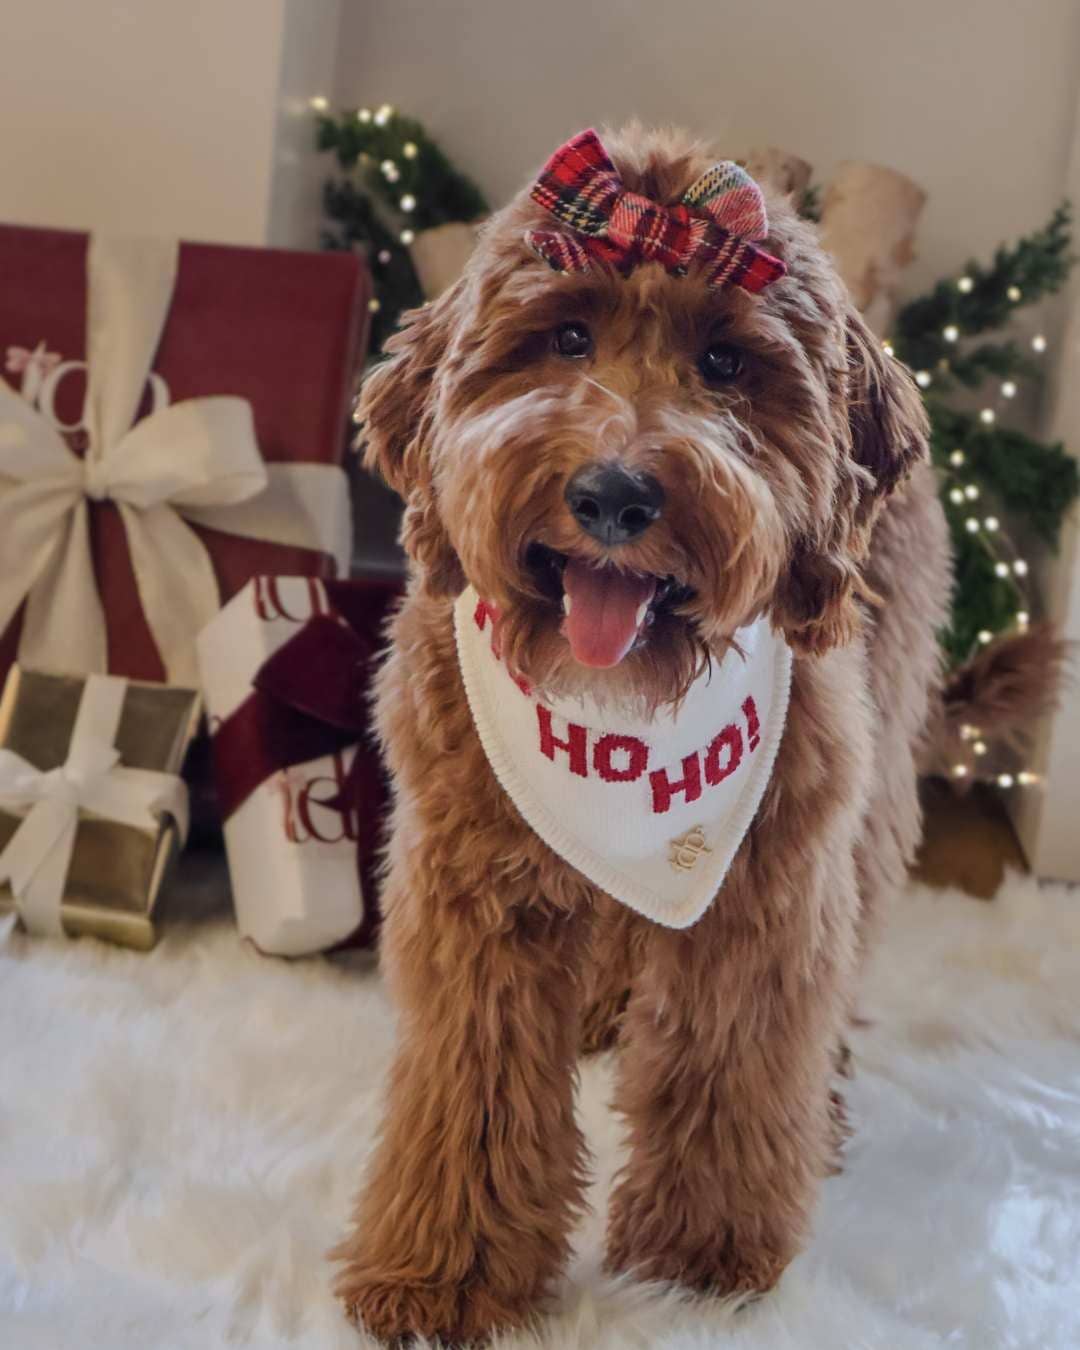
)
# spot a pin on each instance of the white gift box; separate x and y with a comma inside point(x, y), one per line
point(292, 852)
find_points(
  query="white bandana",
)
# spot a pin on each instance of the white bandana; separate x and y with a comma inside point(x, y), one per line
point(651, 811)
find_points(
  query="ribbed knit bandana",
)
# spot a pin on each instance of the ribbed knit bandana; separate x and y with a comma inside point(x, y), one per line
point(651, 811)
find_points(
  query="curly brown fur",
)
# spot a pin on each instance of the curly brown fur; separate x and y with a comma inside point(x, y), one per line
point(796, 492)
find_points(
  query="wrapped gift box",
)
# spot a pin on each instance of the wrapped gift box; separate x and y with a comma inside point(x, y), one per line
point(277, 330)
point(286, 672)
point(116, 869)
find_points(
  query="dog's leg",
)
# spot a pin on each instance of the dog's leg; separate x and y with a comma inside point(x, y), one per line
point(464, 1221)
point(725, 1073)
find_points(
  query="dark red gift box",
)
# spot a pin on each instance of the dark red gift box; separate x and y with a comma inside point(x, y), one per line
point(279, 329)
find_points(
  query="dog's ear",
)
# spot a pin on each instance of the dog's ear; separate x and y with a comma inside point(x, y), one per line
point(397, 413)
point(881, 435)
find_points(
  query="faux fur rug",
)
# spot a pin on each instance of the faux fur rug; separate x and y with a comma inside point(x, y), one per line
point(181, 1133)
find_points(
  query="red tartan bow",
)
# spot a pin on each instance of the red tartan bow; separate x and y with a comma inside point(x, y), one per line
point(712, 225)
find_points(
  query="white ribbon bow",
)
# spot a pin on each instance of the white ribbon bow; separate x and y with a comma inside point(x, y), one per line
point(38, 855)
point(197, 459)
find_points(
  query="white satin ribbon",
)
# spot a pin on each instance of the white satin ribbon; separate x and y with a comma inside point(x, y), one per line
point(36, 859)
point(192, 461)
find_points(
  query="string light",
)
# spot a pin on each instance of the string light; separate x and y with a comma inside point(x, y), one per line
point(373, 305)
point(408, 202)
point(979, 748)
point(1023, 618)
point(384, 256)
point(1008, 389)
point(887, 348)
point(363, 114)
point(971, 525)
point(950, 332)
point(1005, 780)
point(968, 732)
point(956, 495)
point(971, 492)
point(965, 285)
point(410, 150)
point(988, 416)
point(1001, 569)
point(985, 636)
point(957, 458)
point(1025, 778)
point(1015, 294)
point(1038, 343)
point(390, 171)
point(991, 523)
point(1020, 567)
point(407, 236)
point(320, 103)
point(384, 115)
point(922, 379)
point(959, 770)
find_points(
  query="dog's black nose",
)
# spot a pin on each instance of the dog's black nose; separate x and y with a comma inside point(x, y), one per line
point(611, 503)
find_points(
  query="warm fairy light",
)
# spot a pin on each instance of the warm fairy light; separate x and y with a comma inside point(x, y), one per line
point(956, 495)
point(1020, 567)
point(1005, 780)
point(374, 305)
point(957, 458)
point(408, 202)
point(959, 770)
point(1038, 343)
point(971, 525)
point(988, 416)
point(1008, 389)
point(384, 115)
point(390, 171)
point(410, 150)
point(979, 747)
point(1023, 618)
point(319, 103)
point(950, 332)
point(384, 256)
point(968, 732)
point(1025, 778)
point(922, 379)
point(407, 236)
point(1001, 569)
point(971, 492)
point(985, 636)
point(1014, 293)
point(991, 523)
point(966, 285)
point(363, 114)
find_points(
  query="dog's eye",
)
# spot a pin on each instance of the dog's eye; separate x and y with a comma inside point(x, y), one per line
point(573, 340)
point(720, 363)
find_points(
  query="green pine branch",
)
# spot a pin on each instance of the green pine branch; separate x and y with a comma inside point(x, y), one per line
point(1033, 268)
point(393, 182)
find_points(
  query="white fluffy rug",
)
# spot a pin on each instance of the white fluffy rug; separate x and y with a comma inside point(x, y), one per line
point(181, 1133)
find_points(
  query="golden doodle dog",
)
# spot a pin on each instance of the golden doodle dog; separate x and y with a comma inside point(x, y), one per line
point(651, 706)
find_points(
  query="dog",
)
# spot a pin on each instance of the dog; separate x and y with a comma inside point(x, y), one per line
point(704, 449)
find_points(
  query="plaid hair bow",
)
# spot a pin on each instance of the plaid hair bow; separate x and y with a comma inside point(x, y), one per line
point(712, 225)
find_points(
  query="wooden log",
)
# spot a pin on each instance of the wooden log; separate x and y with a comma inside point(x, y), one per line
point(868, 220)
point(779, 169)
point(440, 254)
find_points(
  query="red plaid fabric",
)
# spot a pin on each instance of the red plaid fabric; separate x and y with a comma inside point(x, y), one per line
point(712, 226)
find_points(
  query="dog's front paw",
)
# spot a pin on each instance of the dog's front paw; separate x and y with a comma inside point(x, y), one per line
point(396, 1312)
point(721, 1271)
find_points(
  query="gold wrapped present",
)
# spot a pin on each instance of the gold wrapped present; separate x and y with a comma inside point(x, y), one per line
point(92, 808)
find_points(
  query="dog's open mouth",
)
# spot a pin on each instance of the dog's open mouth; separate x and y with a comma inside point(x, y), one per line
point(606, 609)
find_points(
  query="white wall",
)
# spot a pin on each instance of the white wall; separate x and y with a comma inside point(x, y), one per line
point(182, 117)
point(972, 98)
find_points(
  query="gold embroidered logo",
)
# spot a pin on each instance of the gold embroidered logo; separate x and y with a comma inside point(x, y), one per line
point(687, 849)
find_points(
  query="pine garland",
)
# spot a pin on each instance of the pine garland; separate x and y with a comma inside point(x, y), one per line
point(991, 475)
point(394, 181)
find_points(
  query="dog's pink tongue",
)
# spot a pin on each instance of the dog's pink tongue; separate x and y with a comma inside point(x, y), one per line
point(604, 607)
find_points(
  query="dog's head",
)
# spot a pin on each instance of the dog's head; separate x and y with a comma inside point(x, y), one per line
point(631, 467)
